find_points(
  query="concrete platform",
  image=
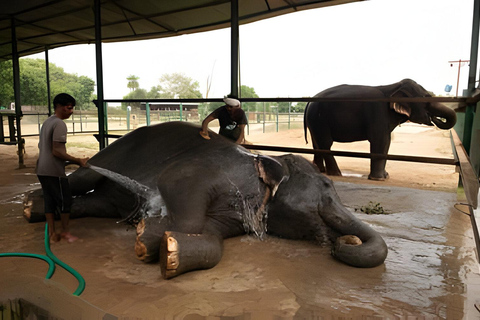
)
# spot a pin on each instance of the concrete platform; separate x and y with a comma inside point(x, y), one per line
point(431, 271)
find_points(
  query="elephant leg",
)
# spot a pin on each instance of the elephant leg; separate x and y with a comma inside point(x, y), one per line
point(318, 158)
point(331, 167)
point(182, 252)
point(325, 143)
point(149, 235)
point(377, 165)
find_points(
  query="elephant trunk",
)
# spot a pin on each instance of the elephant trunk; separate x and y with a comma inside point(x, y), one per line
point(371, 252)
point(442, 116)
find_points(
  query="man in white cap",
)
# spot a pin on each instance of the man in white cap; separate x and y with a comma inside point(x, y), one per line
point(232, 121)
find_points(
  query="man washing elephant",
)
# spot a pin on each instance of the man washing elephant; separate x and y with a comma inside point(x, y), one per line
point(232, 121)
point(348, 121)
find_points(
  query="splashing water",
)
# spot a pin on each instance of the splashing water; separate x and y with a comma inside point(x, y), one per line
point(153, 204)
point(248, 207)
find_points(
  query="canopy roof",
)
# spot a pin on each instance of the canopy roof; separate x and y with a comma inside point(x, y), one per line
point(42, 24)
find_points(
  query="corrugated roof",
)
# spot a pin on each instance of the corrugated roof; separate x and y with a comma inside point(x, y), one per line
point(55, 23)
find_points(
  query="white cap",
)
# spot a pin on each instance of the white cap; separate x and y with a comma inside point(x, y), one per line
point(231, 102)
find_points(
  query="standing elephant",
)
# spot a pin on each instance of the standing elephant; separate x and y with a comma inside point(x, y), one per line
point(186, 194)
point(367, 120)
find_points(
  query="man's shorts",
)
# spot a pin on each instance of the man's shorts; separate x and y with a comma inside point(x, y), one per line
point(56, 194)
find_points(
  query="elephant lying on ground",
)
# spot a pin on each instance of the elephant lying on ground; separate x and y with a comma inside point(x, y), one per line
point(350, 121)
point(186, 194)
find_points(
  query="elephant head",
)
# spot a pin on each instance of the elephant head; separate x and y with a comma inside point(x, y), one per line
point(306, 206)
point(428, 113)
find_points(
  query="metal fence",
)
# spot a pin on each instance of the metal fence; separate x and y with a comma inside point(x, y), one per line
point(122, 121)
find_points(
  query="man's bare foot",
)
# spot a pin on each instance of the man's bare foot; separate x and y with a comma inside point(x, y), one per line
point(54, 238)
point(69, 237)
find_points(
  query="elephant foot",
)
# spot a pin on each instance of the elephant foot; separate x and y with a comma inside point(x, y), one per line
point(33, 207)
point(182, 252)
point(147, 243)
point(381, 178)
point(140, 248)
point(349, 240)
point(334, 173)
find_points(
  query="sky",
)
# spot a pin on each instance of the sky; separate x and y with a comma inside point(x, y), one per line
point(299, 54)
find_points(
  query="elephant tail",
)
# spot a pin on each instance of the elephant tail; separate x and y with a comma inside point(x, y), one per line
point(305, 122)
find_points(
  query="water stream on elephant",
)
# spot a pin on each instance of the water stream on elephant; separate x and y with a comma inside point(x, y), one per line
point(153, 205)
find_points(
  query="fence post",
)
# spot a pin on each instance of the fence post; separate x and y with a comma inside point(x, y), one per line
point(128, 117)
point(147, 109)
point(248, 120)
point(81, 124)
point(289, 108)
point(277, 117)
point(73, 123)
point(105, 121)
point(264, 117)
point(181, 112)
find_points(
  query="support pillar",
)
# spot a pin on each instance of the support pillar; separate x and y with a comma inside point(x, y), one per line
point(471, 109)
point(99, 62)
point(47, 71)
point(234, 48)
point(16, 88)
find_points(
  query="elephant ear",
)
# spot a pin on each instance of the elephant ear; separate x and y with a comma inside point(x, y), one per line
point(398, 107)
point(401, 109)
point(270, 171)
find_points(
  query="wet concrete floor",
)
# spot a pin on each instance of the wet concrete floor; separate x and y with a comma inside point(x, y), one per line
point(431, 271)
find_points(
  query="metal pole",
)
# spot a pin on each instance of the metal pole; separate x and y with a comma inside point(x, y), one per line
point(470, 110)
point(458, 75)
point(128, 117)
point(277, 118)
point(264, 117)
point(474, 47)
point(445, 161)
point(289, 110)
point(147, 113)
point(98, 55)
point(16, 88)
point(181, 112)
point(248, 119)
point(105, 121)
point(47, 72)
point(234, 47)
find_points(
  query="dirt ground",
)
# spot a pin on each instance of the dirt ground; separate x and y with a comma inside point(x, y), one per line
point(431, 271)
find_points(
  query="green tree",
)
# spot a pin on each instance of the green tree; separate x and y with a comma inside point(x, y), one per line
point(176, 86)
point(133, 82)
point(249, 92)
point(33, 88)
point(6, 83)
point(299, 107)
point(137, 94)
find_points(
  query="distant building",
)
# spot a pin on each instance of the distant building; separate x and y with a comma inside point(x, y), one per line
point(169, 106)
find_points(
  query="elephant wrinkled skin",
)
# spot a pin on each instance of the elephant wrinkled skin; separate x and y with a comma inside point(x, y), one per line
point(348, 121)
point(186, 194)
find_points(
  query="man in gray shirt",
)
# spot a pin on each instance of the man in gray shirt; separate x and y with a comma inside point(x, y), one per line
point(51, 167)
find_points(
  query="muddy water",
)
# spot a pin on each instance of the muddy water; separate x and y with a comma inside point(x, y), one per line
point(430, 272)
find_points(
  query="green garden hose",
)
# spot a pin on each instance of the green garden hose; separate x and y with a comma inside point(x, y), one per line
point(81, 281)
point(51, 259)
point(51, 264)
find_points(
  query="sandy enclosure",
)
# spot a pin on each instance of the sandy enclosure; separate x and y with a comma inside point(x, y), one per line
point(431, 271)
